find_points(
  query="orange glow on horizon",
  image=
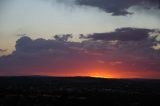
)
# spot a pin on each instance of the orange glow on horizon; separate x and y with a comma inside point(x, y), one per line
point(100, 75)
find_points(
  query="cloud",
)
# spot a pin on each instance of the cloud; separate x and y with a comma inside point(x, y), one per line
point(59, 56)
point(40, 55)
point(63, 37)
point(131, 47)
point(118, 7)
point(123, 34)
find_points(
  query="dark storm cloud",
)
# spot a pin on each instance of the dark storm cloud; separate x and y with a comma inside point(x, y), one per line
point(45, 55)
point(123, 34)
point(131, 47)
point(118, 7)
point(60, 55)
point(26, 44)
point(130, 55)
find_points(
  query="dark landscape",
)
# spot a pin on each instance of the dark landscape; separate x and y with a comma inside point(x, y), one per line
point(78, 91)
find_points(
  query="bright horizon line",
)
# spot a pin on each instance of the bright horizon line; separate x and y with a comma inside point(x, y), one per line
point(77, 76)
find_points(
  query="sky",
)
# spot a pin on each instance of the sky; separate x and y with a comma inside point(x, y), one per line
point(100, 38)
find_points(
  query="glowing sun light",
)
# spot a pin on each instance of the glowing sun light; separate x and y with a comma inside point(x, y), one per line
point(100, 75)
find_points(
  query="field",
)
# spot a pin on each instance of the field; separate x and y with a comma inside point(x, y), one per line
point(78, 91)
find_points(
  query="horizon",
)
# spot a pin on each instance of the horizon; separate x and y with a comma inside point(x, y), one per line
point(94, 77)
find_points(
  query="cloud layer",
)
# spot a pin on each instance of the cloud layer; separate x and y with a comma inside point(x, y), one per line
point(123, 34)
point(119, 54)
point(119, 7)
point(44, 18)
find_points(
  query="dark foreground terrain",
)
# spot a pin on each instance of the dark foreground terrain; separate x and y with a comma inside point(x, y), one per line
point(78, 91)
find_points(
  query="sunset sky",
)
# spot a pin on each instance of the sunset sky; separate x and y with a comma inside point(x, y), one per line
point(99, 38)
